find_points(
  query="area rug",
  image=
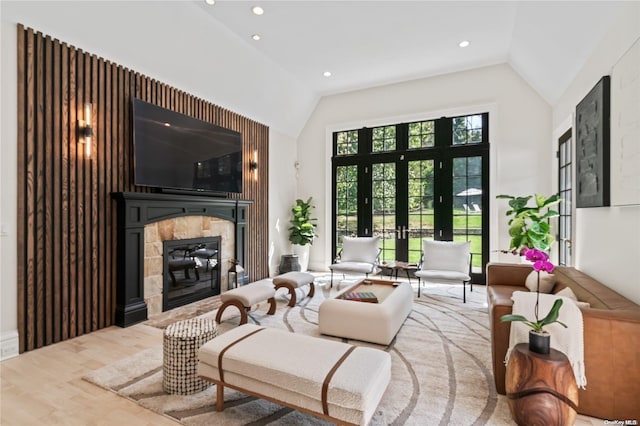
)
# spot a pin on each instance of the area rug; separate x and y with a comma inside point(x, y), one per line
point(441, 368)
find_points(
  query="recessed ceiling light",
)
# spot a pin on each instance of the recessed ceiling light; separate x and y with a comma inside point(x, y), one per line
point(210, 2)
point(327, 73)
point(464, 43)
point(257, 10)
point(256, 37)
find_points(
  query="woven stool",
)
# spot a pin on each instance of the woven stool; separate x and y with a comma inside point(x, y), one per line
point(180, 355)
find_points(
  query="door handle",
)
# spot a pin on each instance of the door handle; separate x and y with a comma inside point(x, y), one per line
point(401, 233)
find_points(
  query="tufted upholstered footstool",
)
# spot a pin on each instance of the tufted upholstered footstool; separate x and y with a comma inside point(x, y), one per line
point(181, 342)
point(293, 280)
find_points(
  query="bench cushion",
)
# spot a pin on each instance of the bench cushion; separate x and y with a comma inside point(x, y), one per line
point(292, 368)
point(250, 294)
point(296, 279)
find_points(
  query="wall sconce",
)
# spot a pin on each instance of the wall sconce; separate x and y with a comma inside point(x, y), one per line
point(253, 165)
point(85, 130)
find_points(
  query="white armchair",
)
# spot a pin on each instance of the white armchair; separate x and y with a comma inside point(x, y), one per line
point(359, 255)
point(446, 261)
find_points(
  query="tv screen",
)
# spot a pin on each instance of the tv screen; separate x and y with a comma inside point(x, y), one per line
point(175, 151)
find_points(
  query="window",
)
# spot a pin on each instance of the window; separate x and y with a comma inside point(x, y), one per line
point(565, 191)
point(412, 181)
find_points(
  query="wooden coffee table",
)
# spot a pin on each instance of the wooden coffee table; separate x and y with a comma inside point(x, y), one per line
point(397, 265)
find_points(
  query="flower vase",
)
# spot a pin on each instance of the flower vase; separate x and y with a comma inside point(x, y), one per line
point(539, 343)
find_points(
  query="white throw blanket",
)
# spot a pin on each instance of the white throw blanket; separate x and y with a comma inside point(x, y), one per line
point(567, 340)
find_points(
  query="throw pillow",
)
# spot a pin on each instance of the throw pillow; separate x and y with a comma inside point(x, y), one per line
point(568, 293)
point(547, 281)
point(360, 249)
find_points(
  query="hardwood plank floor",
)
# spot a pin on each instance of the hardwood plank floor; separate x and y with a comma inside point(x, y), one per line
point(45, 386)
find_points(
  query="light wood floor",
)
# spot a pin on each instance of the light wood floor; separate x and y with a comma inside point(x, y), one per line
point(45, 386)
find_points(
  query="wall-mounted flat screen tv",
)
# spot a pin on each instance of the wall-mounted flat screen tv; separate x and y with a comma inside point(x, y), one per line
point(175, 151)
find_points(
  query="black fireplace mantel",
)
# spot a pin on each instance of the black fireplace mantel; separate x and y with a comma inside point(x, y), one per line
point(137, 209)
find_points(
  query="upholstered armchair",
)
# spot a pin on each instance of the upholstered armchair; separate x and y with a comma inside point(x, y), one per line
point(445, 261)
point(359, 255)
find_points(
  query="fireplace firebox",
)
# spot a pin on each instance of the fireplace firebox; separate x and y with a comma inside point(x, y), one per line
point(191, 270)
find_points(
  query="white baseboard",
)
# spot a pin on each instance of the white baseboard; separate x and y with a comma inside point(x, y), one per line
point(9, 343)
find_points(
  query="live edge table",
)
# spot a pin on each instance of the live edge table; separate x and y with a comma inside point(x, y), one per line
point(541, 389)
point(395, 266)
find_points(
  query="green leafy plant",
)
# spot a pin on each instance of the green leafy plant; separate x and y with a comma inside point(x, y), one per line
point(528, 226)
point(538, 325)
point(302, 229)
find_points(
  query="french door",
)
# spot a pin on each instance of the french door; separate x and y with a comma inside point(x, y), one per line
point(415, 181)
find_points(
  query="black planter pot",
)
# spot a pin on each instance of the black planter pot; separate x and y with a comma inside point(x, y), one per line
point(539, 343)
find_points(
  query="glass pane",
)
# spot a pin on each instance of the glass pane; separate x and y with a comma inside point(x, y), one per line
point(347, 142)
point(420, 186)
point(383, 206)
point(384, 139)
point(467, 130)
point(421, 134)
point(346, 203)
point(467, 206)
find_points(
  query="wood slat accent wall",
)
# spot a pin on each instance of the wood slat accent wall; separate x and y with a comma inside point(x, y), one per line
point(66, 217)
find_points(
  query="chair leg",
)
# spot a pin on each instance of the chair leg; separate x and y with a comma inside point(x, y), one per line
point(419, 285)
point(332, 278)
point(464, 292)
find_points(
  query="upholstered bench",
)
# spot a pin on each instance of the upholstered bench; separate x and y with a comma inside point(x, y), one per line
point(293, 280)
point(246, 296)
point(328, 379)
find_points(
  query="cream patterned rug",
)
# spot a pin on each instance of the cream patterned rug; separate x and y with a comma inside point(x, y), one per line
point(441, 368)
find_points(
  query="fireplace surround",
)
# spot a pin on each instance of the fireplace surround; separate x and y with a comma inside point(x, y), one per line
point(137, 209)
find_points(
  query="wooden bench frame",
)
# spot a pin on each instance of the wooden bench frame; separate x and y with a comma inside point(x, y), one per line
point(243, 309)
point(292, 291)
point(220, 401)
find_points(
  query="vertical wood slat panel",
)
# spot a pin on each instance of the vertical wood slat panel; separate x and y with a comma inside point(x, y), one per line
point(56, 181)
point(64, 184)
point(38, 189)
point(48, 259)
point(23, 101)
point(66, 218)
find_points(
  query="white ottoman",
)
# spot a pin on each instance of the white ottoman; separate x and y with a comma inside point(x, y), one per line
point(332, 380)
point(370, 322)
point(293, 280)
point(181, 342)
point(246, 296)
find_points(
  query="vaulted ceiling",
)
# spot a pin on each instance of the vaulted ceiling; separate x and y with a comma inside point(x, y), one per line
point(370, 43)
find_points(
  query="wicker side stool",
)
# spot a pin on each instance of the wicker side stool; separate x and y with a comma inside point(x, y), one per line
point(180, 355)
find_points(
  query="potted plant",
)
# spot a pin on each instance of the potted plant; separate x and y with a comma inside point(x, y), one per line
point(539, 339)
point(302, 230)
point(528, 225)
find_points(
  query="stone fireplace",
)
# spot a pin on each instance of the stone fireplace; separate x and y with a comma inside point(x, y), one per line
point(177, 232)
point(146, 220)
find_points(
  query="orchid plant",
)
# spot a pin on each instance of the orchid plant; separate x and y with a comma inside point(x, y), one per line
point(540, 262)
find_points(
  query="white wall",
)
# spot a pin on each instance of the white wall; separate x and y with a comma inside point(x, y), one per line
point(203, 58)
point(520, 136)
point(606, 244)
point(282, 195)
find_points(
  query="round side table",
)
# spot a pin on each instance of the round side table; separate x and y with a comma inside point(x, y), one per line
point(181, 342)
point(542, 389)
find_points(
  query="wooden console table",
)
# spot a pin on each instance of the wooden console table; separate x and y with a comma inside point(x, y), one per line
point(542, 389)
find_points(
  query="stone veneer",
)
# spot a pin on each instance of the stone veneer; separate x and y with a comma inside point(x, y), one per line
point(178, 229)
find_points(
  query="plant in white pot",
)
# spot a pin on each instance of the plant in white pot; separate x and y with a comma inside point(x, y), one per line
point(302, 231)
point(539, 339)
